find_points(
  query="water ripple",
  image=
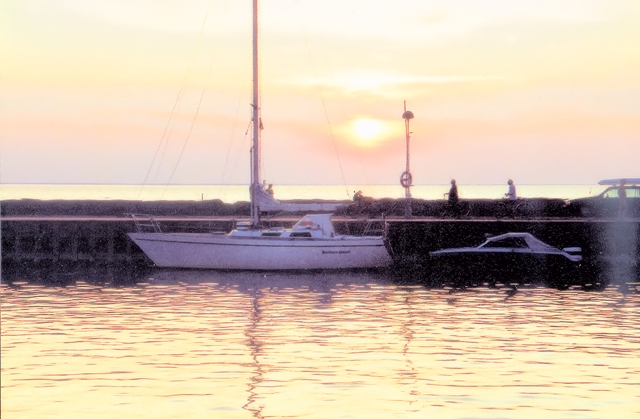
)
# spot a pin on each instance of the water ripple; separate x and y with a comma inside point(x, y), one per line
point(196, 344)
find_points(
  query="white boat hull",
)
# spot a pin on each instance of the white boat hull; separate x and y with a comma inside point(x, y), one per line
point(210, 251)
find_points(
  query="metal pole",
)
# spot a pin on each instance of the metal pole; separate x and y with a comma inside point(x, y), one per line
point(406, 179)
point(255, 160)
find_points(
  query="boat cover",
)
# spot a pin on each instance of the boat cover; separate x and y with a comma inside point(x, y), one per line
point(533, 243)
point(316, 222)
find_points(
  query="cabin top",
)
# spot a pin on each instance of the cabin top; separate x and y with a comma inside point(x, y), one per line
point(310, 226)
point(320, 222)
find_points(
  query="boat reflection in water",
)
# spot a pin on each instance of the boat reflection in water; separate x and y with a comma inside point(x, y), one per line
point(248, 282)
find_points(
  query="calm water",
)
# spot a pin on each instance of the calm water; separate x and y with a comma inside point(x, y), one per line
point(234, 193)
point(190, 344)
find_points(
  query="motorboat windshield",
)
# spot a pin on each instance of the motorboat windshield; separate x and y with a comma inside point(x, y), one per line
point(518, 240)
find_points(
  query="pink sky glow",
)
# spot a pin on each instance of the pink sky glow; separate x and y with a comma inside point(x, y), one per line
point(544, 92)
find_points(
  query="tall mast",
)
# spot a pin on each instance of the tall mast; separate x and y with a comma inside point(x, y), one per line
point(255, 158)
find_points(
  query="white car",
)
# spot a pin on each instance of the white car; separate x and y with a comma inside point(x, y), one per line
point(607, 203)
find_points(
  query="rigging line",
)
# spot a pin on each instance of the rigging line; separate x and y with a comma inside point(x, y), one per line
point(233, 131)
point(358, 151)
point(178, 99)
point(162, 140)
point(324, 106)
point(186, 141)
point(164, 151)
point(224, 167)
point(195, 116)
point(244, 140)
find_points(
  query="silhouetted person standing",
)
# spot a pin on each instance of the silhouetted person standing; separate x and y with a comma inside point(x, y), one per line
point(622, 199)
point(512, 196)
point(453, 193)
point(453, 199)
point(512, 191)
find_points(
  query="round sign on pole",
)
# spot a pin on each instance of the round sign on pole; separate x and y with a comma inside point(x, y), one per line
point(406, 179)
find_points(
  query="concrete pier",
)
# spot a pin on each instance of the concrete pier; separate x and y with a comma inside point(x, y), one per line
point(104, 239)
point(610, 247)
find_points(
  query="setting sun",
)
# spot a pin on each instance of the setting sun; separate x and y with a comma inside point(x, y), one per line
point(368, 131)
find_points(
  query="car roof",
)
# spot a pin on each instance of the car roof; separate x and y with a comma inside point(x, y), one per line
point(627, 181)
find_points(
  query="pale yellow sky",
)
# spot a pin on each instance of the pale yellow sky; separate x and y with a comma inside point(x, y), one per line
point(541, 92)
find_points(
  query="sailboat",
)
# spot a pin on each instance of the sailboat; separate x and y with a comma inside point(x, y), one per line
point(310, 244)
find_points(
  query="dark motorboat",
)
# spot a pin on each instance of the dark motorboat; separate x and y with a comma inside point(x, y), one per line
point(510, 257)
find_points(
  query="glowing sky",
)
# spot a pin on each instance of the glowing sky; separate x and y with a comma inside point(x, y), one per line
point(541, 92)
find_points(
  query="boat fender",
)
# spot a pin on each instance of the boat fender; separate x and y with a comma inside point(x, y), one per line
point(406, 179)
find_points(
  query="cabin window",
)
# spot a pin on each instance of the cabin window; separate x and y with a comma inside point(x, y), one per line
point(517, 242)
point(303, 234)
point(271, 234)
point(632, 192)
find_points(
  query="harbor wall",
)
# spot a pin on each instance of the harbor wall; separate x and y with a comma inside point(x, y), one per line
point(366, 207)
point(610, 248)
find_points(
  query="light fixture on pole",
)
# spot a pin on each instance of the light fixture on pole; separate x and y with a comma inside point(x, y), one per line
point(406, 179)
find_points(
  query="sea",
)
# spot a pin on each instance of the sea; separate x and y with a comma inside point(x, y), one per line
point(235, 193)
point(106, 342)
